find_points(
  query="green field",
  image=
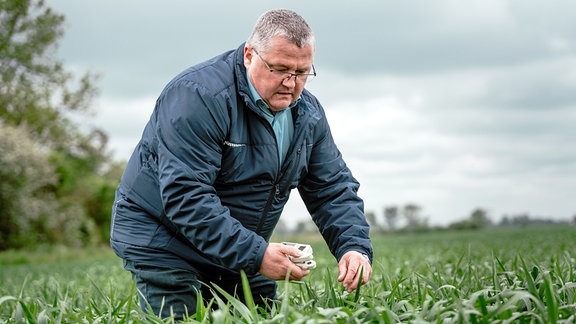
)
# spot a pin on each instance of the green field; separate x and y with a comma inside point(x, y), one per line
point(499, 275)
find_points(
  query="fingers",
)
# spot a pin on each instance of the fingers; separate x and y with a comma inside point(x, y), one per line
point(367, 273)
point(342, 269)
point(296, 273)
point(290, 251)
point(350, 280)
point(350, 267)
point(277, 266)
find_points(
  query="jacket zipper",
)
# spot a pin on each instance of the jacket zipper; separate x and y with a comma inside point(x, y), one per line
point(298, 152)
point(276, 192)
point(273, 193)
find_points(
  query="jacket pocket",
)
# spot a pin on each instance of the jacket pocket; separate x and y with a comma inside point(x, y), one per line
point(145, 191)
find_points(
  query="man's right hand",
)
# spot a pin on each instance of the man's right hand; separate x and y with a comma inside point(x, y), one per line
point(276, 264)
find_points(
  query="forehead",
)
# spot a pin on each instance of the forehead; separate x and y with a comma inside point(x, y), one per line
point(280, 50)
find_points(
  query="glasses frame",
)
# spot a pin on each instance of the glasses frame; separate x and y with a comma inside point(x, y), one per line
point(288, 75)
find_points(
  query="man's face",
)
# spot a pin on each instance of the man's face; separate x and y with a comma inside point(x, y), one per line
point(276, 90)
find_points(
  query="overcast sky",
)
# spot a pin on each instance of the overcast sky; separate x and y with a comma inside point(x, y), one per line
point(451, 105)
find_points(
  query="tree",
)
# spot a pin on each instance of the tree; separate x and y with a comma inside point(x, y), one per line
point(479, 218)
point(412, 215)
point(35, 88)
point(30, 212)
point(39, 97)
point(281, 229)
point(371, 219)
point(306, 226)
point(391, 216)
point(24, 174)
point(505, 221)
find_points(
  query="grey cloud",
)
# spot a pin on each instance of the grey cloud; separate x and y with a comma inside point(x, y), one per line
point(452, 104)
point(553, 88)
point(152, 42)
point(415, 38)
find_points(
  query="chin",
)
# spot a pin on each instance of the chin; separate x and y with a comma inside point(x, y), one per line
point(281, 104)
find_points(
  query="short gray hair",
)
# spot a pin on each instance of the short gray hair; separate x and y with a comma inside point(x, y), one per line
point(280, 22)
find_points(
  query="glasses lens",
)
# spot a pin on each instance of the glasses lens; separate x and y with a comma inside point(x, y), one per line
point(310, 77)
point(285, 76)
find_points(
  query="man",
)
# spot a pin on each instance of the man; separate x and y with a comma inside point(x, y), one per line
point(227, 141)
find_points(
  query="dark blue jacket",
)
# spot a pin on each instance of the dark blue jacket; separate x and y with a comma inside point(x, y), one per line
point(204, 187)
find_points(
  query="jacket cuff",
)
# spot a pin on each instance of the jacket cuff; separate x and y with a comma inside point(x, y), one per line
point(367, 254)
point(259, 256)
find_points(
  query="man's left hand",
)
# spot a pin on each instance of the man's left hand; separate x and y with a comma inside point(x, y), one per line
point(349, 269)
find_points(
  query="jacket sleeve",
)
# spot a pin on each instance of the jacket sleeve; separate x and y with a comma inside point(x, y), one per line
point(329, 192)
point(191, 127)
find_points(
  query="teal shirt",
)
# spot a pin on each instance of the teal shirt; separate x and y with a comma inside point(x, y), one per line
point(282, 121)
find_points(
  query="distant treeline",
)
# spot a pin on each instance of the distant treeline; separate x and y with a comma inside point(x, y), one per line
point(409, 219)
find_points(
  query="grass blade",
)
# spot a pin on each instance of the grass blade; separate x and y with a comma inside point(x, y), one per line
point(238, 305)
point(551, 303)
point(357, 295)
point(528, 278)
point(248, 298)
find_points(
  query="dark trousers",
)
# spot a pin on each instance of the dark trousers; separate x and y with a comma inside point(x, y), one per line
point(171, 291)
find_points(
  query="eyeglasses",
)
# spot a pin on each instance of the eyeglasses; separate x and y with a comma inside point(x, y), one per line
point(285, 76)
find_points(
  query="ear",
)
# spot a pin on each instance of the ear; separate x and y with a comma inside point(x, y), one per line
point(248, 56)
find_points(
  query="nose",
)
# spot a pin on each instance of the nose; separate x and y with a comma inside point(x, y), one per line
point(290, 80)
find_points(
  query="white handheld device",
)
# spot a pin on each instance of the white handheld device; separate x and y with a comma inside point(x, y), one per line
point(305, 260)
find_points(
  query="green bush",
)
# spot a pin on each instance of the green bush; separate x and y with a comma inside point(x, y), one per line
point(31, 212)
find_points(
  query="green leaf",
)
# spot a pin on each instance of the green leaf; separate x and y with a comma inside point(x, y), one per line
point(551, 303)
point(528, 278)
point(357, 295)
point(248, 298)
point(239, 306)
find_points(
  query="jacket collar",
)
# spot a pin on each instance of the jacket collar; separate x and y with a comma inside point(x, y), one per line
point(241, 80)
